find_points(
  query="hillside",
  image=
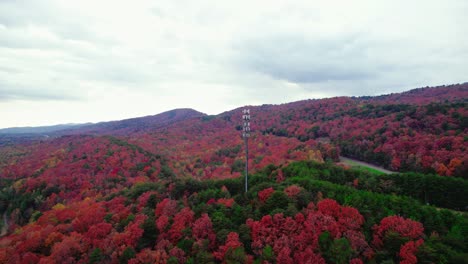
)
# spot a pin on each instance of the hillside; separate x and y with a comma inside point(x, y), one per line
point(125, 126)
point(133, 125)
point(427, 95)
point(9, 136)
point(168, 187)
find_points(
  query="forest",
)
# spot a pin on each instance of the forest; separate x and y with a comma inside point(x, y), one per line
point(170, 188)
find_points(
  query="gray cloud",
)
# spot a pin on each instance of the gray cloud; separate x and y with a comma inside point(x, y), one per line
point(300, 60)
point(50, 14)
point(18, 92)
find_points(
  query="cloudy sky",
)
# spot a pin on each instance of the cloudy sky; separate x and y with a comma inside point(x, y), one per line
point(79, 61)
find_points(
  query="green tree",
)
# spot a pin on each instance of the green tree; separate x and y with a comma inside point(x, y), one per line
point(96, 256)
point(277, 200)
point(127, 255)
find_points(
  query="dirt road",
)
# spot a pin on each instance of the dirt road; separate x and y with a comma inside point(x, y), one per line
point(354, 162)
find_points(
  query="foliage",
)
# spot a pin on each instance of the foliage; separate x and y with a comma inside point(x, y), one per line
point(139, 192)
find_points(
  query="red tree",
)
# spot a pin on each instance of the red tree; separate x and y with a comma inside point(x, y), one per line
point(232, 242)
point(265, 194)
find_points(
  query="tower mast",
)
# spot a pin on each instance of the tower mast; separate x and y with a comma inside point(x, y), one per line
point(246, 135)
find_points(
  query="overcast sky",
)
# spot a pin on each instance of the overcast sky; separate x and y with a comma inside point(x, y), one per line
point(80, 61)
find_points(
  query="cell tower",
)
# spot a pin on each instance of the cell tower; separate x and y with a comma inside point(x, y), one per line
point(246, 135)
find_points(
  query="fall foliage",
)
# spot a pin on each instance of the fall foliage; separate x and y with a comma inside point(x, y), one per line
point(169, 188)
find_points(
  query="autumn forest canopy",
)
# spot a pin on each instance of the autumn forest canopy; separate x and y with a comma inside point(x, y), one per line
point(169, 188)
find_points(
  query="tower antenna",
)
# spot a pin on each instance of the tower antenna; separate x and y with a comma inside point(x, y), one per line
point(246, 135)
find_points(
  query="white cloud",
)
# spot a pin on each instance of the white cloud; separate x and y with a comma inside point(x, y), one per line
point(79, 61)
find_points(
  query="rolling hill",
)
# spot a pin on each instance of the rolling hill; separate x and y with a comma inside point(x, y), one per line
point(168, 187)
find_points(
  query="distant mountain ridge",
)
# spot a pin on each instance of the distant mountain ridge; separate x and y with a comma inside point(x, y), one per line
point(137, 124)
point(39, 129)
point(419, 96)
point(114, 127)
point(426, 95)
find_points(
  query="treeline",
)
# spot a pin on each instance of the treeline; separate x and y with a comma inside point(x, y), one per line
point(401, 137)
point(446, 192)
point(304, 213)
point(445, 230)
